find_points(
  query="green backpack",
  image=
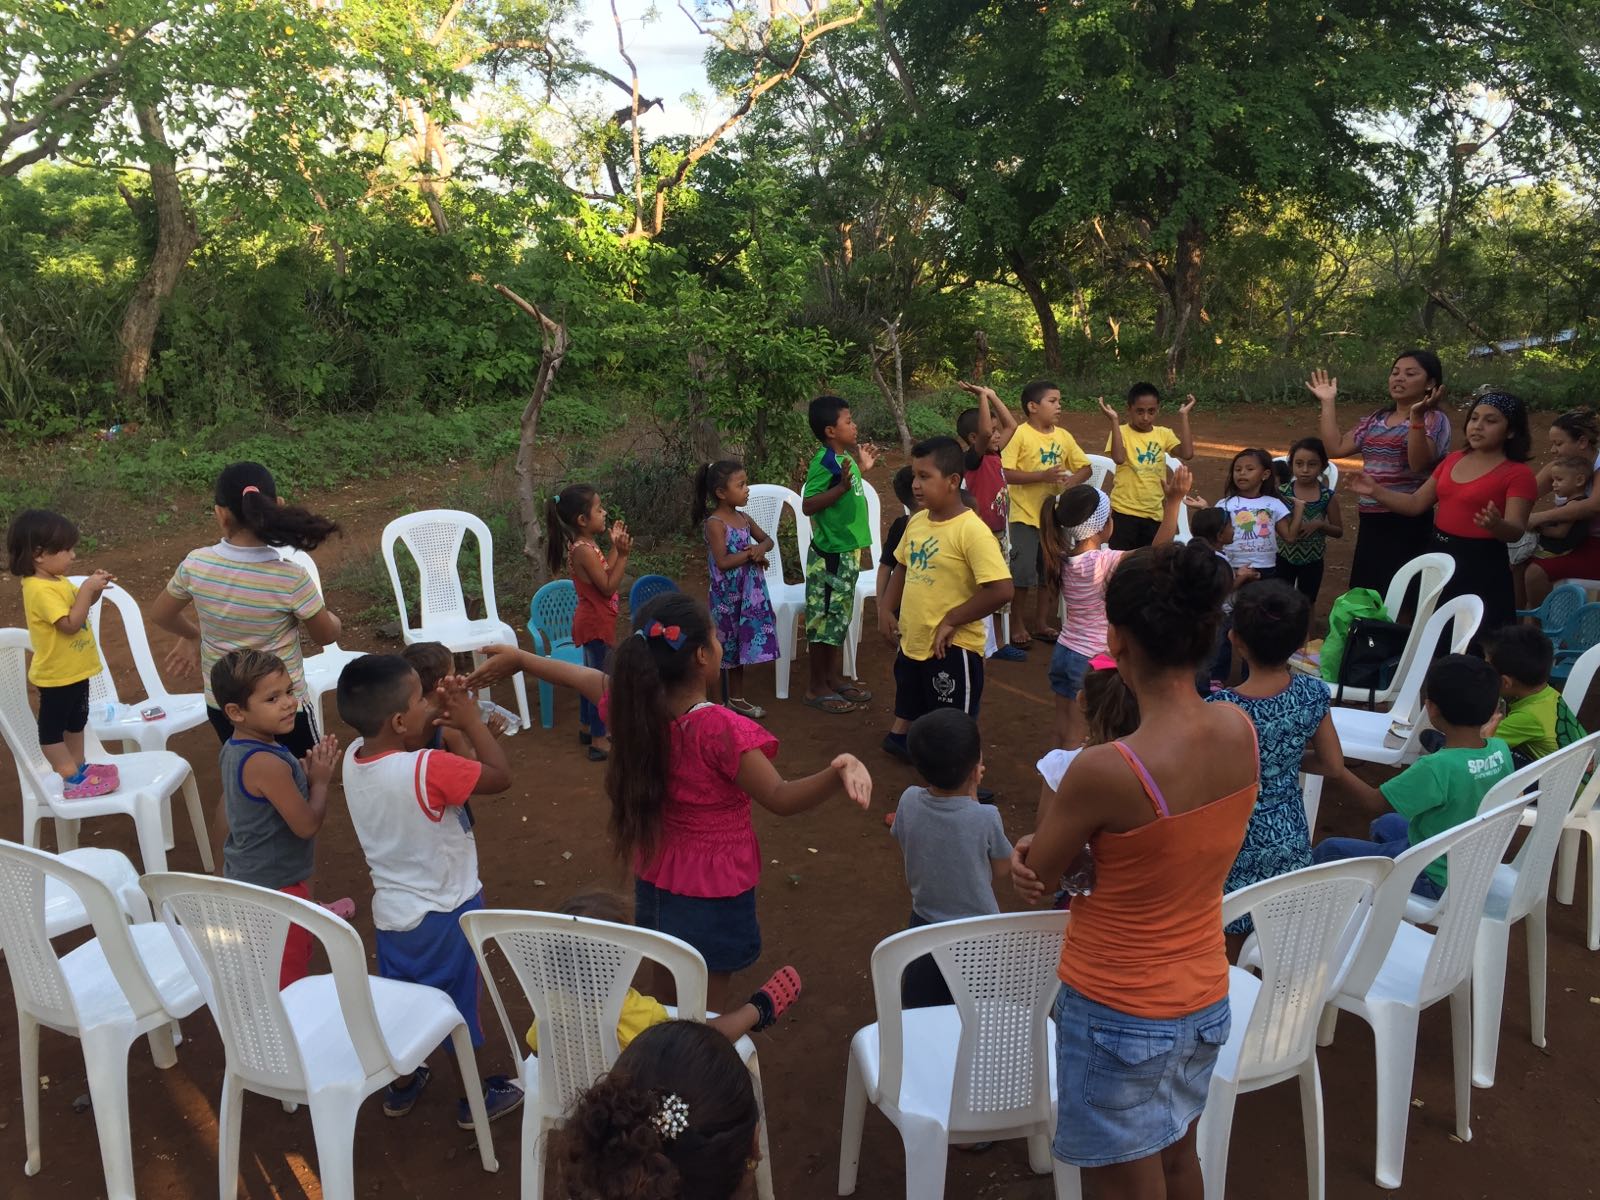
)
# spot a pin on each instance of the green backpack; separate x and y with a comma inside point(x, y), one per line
point(1356, 604)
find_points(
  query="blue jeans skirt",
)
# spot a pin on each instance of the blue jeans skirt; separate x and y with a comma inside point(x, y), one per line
point(1128, 1087)
point(723, 928)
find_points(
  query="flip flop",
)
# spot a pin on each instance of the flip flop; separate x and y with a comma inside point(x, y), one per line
point(831, 703)
point(854, 694)
point(1046, 636)
point(344, 908)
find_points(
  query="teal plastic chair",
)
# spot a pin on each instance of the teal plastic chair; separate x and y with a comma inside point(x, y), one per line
point(1581, 633)
point(550, 626)
point(1557, 611)
point(645, 589)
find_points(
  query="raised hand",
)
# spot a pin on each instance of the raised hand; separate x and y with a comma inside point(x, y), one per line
point(1178, 483)
point(1195, 502)
point(867, 453)
point(1322, 386)
point(1116, 417)
point(855, 778)
point(321, 761)
point(1431, 399)
point(458, 707)
point(500, 662)
point(1187, 406)
point(977, 389)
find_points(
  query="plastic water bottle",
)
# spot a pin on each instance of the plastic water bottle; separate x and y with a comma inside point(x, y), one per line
point(1079, 878)
point(489, 708)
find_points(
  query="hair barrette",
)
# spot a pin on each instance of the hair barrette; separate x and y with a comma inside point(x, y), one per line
point(248, 489)
point(673, 635)
point(671, 1117)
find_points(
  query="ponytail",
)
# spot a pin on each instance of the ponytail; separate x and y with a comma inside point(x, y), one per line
point(645, 667)
point(708, 480)
point(561, 513)
point(247, 490)
point(674, 1119)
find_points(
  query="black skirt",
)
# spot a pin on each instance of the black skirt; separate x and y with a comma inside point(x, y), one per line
point(1483, 569)
point(1385, 542)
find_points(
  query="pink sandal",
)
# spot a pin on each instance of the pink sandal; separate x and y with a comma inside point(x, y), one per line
point(344, 908)
point(775, 996)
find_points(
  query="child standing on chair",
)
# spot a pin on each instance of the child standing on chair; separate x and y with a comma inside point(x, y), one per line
point(682, 782)
point(1440, 790)
point(950, 577)
point(65, 658)
point(736, 560)
point(574, 517)
point(835, 499)
point(276, 803)
point(407, 805)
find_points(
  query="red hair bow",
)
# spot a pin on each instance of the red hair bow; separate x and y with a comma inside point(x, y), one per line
point(671, 634)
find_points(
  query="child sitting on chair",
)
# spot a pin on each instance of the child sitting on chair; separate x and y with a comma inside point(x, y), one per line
point(640, 1012)
point(1537, 721)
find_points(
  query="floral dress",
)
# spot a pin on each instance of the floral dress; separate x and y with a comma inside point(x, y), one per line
point(1277, 840)
point(740, 606)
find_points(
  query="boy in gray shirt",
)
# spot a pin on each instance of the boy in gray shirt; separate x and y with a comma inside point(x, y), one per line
point(955, 848)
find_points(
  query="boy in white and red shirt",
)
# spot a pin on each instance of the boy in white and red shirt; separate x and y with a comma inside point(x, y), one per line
point(408, 806)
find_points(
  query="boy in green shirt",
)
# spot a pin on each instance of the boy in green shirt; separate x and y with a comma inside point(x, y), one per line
point(1537, 721)
point(834, 498)
point(1440, 790)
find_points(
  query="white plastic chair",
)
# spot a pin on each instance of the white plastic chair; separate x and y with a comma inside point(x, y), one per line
point(434, 539)
point(111, 718)
point(1520, 891)
point(1394, 738)
point(1583, 823)
point(867, 581)
point(574, 972)
point(322, 668)
point(326, 1041)
point(1398, 969)
point(1311, 797)
point(1430, 572)
point(1305, 923)
point(1330, 476)
point(980, 1069)
point(1183, 509)
point(64, 910)
point(148, 778)
point(126, 982)
point(766, 505)
point(1101, 466)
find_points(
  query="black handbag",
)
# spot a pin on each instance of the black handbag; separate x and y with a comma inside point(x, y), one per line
point(1372, 653)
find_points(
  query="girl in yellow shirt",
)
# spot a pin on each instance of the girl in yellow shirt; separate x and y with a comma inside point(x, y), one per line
point(40, 546)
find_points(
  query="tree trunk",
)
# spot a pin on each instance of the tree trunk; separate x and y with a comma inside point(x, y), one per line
point(705, 437)
point(980, 364)
point(556, 342)
point(1049, 330)
point(1186, 270)
point(896, 396)
point(176, 240)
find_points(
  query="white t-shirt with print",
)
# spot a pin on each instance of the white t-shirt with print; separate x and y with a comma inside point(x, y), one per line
point(417, 838)
point(1255, 522)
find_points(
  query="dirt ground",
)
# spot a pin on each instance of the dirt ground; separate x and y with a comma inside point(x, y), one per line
point(832, 888)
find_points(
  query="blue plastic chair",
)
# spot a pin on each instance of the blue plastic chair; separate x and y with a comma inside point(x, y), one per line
point(1557, 611)
point(550, 626)
point(645, 589)
point(1582, 632)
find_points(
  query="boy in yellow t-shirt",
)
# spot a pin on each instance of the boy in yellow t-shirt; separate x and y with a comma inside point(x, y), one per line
point(40, 546)
point(640, 1012)
point(1040, 461)
point(949, 576)
point(1140, 448)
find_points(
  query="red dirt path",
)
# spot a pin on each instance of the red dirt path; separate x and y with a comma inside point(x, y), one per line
point(832, 888)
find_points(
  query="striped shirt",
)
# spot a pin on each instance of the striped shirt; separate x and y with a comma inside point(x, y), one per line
point(1383, 451)
point(1083, 587)
point(247, 598)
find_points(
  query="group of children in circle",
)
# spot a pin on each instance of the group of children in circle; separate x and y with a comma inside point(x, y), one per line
point(988, 517)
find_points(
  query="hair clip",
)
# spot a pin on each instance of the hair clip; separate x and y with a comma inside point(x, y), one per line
point(673, 635)
point(671, 1117)
point(248, 489)
point(558, 497)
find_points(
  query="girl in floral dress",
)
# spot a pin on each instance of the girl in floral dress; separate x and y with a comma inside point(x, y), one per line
point(736, 560)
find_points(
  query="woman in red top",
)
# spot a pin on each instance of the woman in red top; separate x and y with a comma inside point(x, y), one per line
point(574, 516)
point(1143, 1010)
point(1480, 497)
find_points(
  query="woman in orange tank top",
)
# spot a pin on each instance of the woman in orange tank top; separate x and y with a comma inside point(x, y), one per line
point(1143, 1010)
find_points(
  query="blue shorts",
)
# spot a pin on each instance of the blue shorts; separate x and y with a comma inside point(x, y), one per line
point(723, 928)
point(1068, 670)
point(438, 954)
point(1128, 1087)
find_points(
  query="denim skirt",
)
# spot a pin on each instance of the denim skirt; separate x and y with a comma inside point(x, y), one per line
point(723, 929)
point(1128, 1087)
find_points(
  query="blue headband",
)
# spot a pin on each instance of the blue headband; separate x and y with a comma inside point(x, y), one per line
point(1506, 405)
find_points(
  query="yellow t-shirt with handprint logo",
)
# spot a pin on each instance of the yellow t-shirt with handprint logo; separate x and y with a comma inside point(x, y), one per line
point(59, 658)
point(1140, 480)
point(946, 563)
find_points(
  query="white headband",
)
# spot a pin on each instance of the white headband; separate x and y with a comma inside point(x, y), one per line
point(1094, 523)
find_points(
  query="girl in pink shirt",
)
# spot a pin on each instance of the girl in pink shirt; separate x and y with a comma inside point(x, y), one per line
point(681, 779)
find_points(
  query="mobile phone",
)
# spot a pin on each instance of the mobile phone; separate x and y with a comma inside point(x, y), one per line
point(153, 712)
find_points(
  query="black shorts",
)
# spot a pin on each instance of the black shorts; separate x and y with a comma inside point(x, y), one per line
point(922, 685)
point(62, 710)
point(1132, 533)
